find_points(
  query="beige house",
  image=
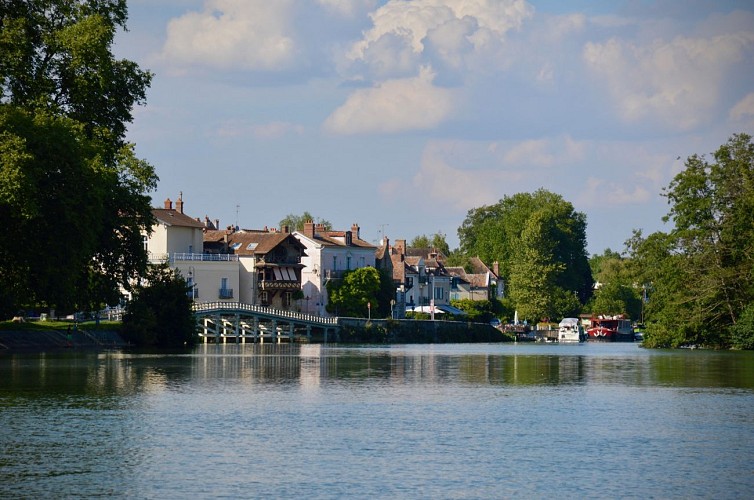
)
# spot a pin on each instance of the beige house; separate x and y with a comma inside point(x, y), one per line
point(179, 240)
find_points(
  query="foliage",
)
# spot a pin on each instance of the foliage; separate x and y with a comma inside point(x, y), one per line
point(550, 273)
point(57, 57)
point(296, 222)
point(742, 333)
point(535, 270)
point(72, 193)
point(436, 242)
point(700, 275)
point(479, 311)
point(618, 293)
point(160, 312)
point(352, 295)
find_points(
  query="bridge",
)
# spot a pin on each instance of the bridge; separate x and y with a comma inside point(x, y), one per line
point(238, 322)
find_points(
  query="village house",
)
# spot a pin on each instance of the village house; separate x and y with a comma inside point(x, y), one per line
point(328, 255)
point(481, 283)
point(178, 240)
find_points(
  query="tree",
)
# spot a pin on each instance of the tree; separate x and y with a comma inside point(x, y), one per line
point(74, 196)
point(436, 242)
point(352, 295)
point(296, 222)
point(160, 312)
point(701, 272)
point(57, 57)
point(534, 272)
point(618, 291)
point(493, 233)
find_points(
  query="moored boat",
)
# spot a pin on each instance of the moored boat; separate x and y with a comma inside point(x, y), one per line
point(610, 329)
point(570, 330)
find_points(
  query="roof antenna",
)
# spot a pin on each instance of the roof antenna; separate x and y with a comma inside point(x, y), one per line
point(237, 207)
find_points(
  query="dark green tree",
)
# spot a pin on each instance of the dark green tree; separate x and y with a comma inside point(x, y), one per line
point(493, 233)
point(160, 313)
point(700, 274)
point(618, 292)
point(351, 295)
point(73, 191)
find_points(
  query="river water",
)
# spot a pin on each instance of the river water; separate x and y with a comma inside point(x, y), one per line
point(417, 421)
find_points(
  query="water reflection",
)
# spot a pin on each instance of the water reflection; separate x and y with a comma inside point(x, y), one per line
point(124, 373)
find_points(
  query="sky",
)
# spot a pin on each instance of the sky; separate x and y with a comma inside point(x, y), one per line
point(402, 115)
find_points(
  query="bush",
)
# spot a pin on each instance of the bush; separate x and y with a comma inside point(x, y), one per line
point(160, 313)
point(742, 333)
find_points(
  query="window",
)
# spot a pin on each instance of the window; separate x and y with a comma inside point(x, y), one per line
point(191, 249)
point(145, 240)
point(224, 283)
point(348, 262)
point(287, 299)
point(334, 262)
point(264, 298)
point(439, 292)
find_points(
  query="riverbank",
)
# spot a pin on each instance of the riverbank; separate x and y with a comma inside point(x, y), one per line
point(47, 339)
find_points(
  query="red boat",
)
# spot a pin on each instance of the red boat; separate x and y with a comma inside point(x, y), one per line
point(611, 329)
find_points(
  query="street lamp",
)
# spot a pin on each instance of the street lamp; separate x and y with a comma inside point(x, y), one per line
point(192, 284)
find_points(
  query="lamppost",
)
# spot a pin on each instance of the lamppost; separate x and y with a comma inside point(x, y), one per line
point(432, 297)
point(192, 284)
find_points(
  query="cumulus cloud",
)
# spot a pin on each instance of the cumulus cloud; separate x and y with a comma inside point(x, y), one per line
point(348, 8)
point(453, 28)
point(677, 81)
point(233, 34)
point(393, 106)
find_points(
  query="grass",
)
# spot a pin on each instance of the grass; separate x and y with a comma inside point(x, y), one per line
point(58, 325)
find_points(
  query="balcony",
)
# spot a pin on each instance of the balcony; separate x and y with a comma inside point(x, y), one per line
point(279, 285)
point(225, 293)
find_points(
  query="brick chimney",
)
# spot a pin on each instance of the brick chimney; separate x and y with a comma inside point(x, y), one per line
point(309, 229)
point(400, 246)
point(286, 229)
point(496, 268)
point(355, 230)
point(168, 204)
point(179, 203)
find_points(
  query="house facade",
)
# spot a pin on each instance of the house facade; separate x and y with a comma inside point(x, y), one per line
point(329, 254)
point(179, 240)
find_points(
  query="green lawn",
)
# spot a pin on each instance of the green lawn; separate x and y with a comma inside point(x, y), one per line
point(58, 325)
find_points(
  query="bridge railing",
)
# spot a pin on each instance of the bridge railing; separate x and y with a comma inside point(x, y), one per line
point(208, 307)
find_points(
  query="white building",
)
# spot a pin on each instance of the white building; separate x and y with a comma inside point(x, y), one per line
point(328, 255)
point(178, 240)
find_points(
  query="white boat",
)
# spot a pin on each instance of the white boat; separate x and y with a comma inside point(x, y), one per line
point(570, 330)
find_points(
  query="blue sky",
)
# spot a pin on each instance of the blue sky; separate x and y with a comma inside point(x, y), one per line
point(401, 116)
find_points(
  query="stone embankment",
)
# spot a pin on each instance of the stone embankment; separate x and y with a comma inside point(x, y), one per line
point(46, 340)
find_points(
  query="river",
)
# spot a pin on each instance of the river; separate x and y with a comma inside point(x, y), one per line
point(410, 421)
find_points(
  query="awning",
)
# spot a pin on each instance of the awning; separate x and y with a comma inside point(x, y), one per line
point(424, 309)
point(451, 310)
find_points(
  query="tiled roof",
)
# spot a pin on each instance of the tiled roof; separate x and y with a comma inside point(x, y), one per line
point(173, 217)
point(258, 242)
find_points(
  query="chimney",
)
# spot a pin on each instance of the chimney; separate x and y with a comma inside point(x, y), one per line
point(208, 223)
point(355, 230)
point(179, 203)
point(349, 238)
point(286, 229)
point(400, 245)
point(217, 223)
point(496, 268)
point(168, 204)
point(309, 229)
point(319, 227)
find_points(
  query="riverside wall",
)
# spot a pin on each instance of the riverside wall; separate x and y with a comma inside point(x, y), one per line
point(409, 331)
point(48, 340)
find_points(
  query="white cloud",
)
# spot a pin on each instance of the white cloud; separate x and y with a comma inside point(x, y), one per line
point(232, 34)
point(744, 109)
point(453, 27)
point(678, 81)
point(601, 192)
point(347, 8)
point(267, 131)
point(393, 106)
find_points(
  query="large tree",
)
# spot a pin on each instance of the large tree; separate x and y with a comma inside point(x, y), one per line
point(701, 272)
point(74, 196)
point(495, 232)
